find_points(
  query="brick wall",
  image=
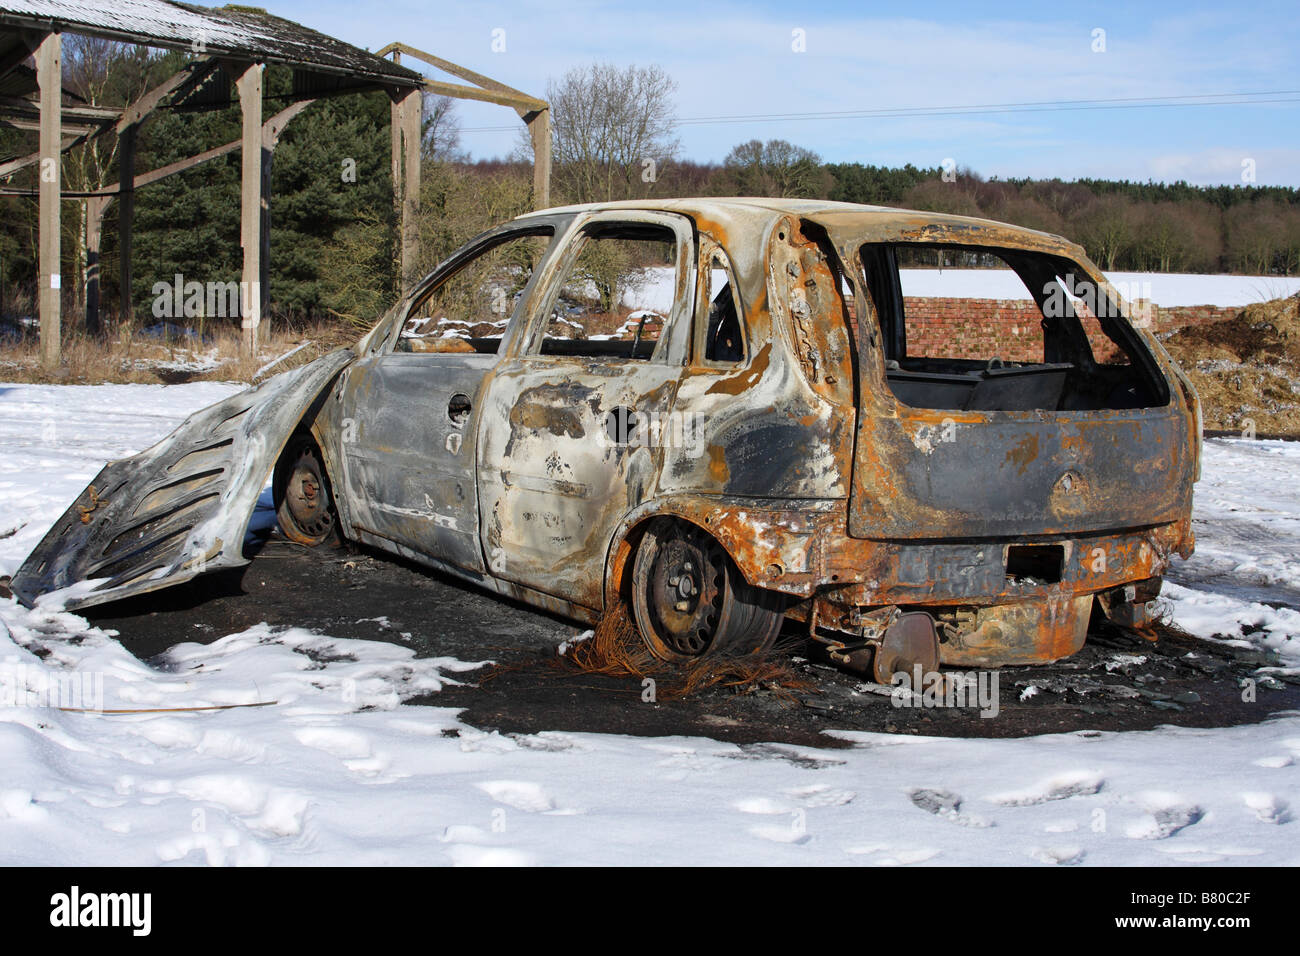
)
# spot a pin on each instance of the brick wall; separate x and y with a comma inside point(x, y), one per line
point(1009, 328)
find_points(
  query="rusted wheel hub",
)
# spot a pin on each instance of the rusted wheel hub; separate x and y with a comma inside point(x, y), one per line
point(305, 512)
point(685, 586)
point(690, 601)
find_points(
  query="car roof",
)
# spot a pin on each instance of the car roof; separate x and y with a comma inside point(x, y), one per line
point(844, 220)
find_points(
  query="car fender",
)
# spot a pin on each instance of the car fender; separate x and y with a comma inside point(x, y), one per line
point(178, 509)
point(770, 540)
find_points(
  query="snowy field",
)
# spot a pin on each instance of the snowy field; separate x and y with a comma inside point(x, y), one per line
point(335, 769)
point(1166, 289)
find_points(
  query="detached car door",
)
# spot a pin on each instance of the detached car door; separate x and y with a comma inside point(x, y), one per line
point(410, 413)
point(574, 425)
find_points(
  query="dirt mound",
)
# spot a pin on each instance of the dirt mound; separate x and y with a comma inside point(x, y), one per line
point(1247, 368)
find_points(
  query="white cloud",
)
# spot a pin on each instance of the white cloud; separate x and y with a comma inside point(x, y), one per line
point(1225, 165)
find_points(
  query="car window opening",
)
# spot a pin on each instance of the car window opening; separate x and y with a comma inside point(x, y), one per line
point(617, 295)
point(724, 335)
point(469, 310)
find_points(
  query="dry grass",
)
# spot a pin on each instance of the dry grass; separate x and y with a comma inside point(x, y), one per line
point(126, 356)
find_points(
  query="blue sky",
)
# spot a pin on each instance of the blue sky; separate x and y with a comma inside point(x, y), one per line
point(737, 59)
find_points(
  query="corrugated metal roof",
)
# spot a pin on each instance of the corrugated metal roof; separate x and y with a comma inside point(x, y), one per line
point(242, 32)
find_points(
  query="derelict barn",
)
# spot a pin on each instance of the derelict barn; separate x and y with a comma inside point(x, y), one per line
point(230, 48)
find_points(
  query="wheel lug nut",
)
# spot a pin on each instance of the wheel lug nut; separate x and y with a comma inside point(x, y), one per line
point(683, 606)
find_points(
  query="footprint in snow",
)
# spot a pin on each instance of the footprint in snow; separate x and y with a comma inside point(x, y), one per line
point(520, 794)
point(1267, 807)
point(21, 806)
point(350, 747)
point(764, 805)
point(550, 741)
point(268, 811)
point(882, 854)
point(1205, 854)
point(800, 799)
point(1166, 815)
point(1076, 783)
point(1058, 855)
point(794, 833)
point(821, 796)
point(946, 805)
point(344, 744)
point(464, 833)
point(1274, 763)
point(226, 848)
point(464, 854)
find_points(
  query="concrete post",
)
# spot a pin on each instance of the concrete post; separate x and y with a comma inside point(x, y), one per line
point(49, 69)
point(126, 222)
point(539, 130)
point(252, 203)
point(94, 230)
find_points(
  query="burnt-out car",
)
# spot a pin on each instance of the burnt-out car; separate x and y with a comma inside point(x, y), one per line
point(726, 413)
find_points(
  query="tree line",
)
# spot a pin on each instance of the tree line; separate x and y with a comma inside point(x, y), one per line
point(333, 224)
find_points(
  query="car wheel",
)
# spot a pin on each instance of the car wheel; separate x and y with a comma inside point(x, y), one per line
point(305, 507)
point(690, 601)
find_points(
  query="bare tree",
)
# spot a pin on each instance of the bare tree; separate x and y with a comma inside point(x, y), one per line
point(776, 168)
point(1107, 228)
point(612, 130)
point(441, 129)
point(103, 73)
point(1256, 235)
point(1174, 237)
point(935, 195)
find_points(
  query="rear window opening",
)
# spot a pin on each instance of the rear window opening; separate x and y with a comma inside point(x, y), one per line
point(988, 329)
point(1030, 564)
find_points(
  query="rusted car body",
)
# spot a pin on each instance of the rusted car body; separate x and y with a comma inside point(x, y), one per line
point(772, 450)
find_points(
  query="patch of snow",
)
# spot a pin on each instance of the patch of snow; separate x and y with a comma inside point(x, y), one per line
point(317, 759)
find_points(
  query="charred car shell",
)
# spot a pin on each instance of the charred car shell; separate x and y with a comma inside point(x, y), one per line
point(814, 467)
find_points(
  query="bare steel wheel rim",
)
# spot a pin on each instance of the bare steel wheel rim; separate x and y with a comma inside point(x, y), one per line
point(685, 589)
point(306, 496)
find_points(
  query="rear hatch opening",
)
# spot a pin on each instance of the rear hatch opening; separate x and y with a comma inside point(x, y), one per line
point(978, 328)
point(1004, 395)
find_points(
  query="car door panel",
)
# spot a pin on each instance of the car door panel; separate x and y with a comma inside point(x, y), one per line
point(570, 443)
point(555, 482)
point(409, 418)
point(409, 466)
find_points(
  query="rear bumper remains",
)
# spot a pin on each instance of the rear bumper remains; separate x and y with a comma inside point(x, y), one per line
point(1022, 599)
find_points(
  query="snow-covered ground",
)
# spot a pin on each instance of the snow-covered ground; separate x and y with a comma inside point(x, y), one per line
point(334, 769)
point(1163, 288)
